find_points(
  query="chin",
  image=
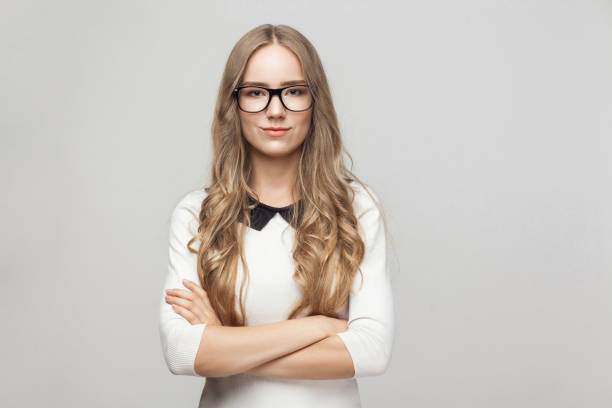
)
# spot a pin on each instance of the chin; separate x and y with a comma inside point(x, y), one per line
point(275, 151)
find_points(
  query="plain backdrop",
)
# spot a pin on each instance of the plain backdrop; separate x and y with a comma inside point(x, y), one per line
point(485, 127)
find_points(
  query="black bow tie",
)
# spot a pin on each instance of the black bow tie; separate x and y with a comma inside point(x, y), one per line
point(262, 213)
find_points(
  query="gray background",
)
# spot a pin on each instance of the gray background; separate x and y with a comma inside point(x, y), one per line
point(484, 126)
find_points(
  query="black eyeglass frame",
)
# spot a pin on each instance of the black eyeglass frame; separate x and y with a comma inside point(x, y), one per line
point(271, 93)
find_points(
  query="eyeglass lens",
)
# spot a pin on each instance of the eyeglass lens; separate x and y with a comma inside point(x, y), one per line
point(296, 98)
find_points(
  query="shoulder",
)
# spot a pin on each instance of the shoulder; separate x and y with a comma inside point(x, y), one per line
point(187, 207)
point(191, 200)
point(365, 199)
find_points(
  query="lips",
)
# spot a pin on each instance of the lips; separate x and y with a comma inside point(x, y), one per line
point(275, 131)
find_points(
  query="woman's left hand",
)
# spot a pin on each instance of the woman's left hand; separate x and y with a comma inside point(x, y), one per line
point(192, 304)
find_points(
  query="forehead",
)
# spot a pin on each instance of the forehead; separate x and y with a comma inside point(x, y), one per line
point(273, 65)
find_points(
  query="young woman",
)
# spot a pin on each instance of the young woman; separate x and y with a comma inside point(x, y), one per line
point(278, 290)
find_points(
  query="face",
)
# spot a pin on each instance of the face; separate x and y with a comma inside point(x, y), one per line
point(273, 65)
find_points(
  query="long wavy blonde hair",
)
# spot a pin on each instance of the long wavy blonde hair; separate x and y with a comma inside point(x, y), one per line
point(328, 248)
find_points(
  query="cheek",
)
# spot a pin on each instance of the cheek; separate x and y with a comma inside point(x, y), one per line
point(247, 125)
point(305, 126)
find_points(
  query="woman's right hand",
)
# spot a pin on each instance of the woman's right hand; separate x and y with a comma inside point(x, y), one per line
point(333, 325)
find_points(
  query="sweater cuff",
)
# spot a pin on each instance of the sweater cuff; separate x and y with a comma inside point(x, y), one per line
point(367, 350)
point(182, 352)
point(352, 346)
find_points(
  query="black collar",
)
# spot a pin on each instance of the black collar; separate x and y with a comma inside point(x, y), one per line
point(262, 213)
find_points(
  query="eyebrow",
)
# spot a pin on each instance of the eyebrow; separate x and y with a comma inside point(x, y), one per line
point(294, 82)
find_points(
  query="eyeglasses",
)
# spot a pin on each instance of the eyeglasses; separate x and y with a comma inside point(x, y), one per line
point(252, 99)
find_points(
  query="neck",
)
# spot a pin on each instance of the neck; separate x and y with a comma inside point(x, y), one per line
point(273, 178)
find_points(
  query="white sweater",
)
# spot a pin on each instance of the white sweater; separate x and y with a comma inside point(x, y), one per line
point(269, 298)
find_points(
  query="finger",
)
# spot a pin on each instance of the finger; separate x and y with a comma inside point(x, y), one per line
point(196, 312)
point(185, 313)
point(202, 309)
point(194, 287)
point(186, 294)
point(187, 304)
point(197, 308)
point(199, 294)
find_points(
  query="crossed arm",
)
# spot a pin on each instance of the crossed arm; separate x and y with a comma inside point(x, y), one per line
point(302, 348)
point(325, 359)
point(297, 348)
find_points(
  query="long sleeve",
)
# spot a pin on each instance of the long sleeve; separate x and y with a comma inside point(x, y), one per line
point(180, 339)
point(369, 338)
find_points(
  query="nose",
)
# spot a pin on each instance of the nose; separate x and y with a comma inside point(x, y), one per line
point(275, 108)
